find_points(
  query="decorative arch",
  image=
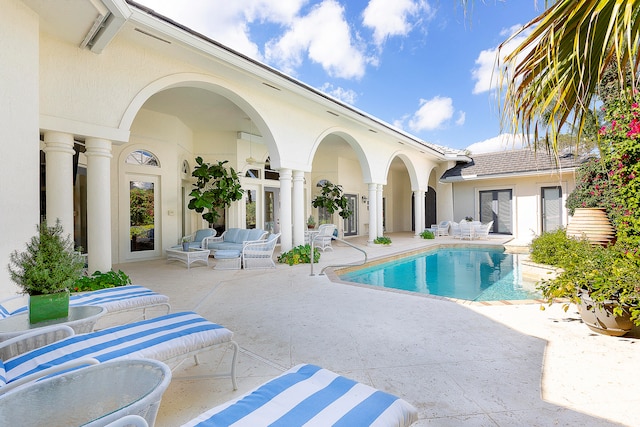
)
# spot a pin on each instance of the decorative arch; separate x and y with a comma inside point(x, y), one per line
point(353, 143)
point(204, 82)
point(411, 169)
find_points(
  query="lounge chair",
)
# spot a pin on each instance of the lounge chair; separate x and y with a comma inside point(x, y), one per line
point(92, 396)
point(168, 339)
point(309, 394)
point(259, 253)
point(114, 300)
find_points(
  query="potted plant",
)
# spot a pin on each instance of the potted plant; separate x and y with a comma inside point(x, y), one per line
point(46, 270)
point(311, 222)
point(332, 199)
point(215, 189)
point(185, 244)
point(604, 282)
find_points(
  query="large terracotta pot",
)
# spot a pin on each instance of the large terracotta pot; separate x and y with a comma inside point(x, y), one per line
point(592, 224)
point(601, 319)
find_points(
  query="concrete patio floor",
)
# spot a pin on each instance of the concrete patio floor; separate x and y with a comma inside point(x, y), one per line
point(458, 364)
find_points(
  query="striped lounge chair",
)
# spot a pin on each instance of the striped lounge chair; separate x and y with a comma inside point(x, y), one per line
point(167, 338)
point(310, 395)
point(114, 300)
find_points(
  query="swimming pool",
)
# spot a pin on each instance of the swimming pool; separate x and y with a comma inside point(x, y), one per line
point(473, 274)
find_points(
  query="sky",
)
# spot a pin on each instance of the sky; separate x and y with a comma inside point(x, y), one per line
point(424, 66)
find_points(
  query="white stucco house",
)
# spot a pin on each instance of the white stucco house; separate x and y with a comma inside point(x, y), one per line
point(102, 97)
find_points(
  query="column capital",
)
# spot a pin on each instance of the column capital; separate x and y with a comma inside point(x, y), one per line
point(98, 147)
point(285, 174)
point(60, 142)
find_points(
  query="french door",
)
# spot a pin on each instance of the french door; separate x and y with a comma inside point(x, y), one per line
point(351, 223)
point(496, 206)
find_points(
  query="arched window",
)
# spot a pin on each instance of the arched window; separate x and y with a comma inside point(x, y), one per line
point(142, 158)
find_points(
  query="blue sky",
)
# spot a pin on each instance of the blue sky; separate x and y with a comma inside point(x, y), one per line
point(423, 66)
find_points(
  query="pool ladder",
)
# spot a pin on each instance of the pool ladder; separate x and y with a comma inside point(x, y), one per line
point(337, 265)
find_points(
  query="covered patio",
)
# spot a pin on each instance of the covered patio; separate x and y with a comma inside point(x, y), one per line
point(459, 364)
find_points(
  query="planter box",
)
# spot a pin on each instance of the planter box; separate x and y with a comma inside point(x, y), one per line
point(48, 307)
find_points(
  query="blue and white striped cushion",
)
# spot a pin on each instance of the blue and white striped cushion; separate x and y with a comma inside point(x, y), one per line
point(112, 299)
point(161, 338)
point(311, 396)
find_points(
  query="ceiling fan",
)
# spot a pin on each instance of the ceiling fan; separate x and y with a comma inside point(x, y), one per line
point(252, 160)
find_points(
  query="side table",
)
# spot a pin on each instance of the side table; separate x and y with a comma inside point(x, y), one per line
point(81, 319)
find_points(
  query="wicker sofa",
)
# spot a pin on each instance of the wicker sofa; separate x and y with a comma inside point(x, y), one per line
point(234, 238)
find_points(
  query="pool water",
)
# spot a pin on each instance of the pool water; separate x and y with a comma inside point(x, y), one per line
point(474, 274)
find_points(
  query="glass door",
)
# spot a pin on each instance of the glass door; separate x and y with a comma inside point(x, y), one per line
point(143, 224)
point(551, 208)
point(351, 223)
point(272, 210)
point(495, 205)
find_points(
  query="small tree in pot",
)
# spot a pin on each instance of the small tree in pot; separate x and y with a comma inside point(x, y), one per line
point(49, 266)
point(216, 188)
point(332, 199)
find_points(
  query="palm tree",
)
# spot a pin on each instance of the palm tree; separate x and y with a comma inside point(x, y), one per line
point(560, 63)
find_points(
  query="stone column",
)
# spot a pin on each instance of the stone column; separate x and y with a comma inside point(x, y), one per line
point(418, 211)
point(373, 211)
point(59, 176)
point(98, 152)
point(285, 210)
point(298, 208)
point(380, 215)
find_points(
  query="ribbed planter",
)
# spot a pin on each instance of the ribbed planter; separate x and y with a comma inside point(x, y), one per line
point(592, 224)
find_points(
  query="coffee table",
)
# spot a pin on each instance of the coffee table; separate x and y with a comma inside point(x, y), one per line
point(188, 257)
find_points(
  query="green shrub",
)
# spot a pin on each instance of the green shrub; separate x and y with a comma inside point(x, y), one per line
point(610, 274)
point(382, 240)
point(99, 280)
point(299, 255)
point(555, 248)
point(426, 234)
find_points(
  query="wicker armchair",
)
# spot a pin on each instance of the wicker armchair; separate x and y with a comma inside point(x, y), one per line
point(259, 253)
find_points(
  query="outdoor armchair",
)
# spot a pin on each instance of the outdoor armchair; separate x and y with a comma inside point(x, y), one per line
point(259, 253)
point(322, 240)
point(198, 240)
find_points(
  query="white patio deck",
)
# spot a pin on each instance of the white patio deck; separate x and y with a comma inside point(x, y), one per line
point(459, 364)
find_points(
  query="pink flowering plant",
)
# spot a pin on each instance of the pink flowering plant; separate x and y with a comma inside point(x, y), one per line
point(620, 140)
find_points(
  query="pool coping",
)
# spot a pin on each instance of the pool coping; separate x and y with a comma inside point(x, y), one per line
point(333, 275)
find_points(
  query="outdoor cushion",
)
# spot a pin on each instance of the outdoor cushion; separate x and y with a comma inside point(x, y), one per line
point(310, 395)
point(232, 235)
point(226, 254)
point(201, 234)
point(163, 338)
point(121, 298)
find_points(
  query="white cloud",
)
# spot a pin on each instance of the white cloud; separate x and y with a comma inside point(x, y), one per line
point(325, 36)
point(501, 142)
point(393, 18)
point(462, 116)
point(345, 95)
point(485, 73)
point(432, 114)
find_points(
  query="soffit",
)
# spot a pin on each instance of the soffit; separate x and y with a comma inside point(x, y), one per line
point(69, 20)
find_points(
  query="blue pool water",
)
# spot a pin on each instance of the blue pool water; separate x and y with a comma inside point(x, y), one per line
point(474, 274)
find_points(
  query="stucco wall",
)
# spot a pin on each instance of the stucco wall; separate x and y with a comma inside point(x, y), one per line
point(19, 138)
point(526, 200)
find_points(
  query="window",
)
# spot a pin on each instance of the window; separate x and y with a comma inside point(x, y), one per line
point(142, 158)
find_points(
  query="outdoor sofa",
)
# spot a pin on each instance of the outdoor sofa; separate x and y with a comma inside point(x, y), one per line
point(234, 238)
